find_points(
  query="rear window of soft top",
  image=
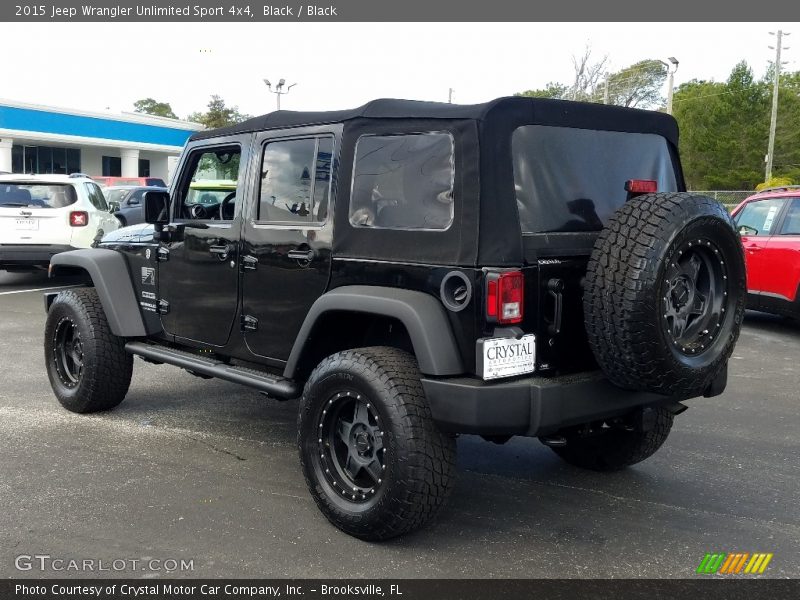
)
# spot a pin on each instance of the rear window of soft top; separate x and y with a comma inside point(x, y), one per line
point(569, 179)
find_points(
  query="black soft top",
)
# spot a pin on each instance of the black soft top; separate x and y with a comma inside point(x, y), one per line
point(502, 111)
point(486, 217)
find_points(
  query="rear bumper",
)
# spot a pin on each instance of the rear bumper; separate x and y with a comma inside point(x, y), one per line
point(531, 406)
point(30, 255)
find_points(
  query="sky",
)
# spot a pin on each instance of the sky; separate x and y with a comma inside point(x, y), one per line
point(98, 66)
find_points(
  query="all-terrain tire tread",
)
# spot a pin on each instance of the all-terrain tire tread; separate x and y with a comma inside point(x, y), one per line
point(427, 455)
point(106, 379)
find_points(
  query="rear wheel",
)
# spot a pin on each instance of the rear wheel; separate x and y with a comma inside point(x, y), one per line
point(88, 367)
point(373, 459)
point(610, 448)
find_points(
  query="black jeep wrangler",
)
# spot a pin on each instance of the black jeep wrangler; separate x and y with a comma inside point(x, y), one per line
point(417, 270)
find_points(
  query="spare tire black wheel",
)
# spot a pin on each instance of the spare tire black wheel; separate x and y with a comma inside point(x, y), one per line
point(665, 294)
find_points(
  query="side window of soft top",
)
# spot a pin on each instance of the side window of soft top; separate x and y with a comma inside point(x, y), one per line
point(403, 181)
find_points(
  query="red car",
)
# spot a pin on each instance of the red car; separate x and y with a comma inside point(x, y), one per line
point(769, 223)
point(116, 181)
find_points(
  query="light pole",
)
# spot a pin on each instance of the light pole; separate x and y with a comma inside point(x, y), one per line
point(671, 68)
point(279, 91)
point(773, 120)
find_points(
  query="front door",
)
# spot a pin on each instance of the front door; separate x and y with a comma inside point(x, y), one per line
point(198, 269)
point(756, 222)
point(287, 237)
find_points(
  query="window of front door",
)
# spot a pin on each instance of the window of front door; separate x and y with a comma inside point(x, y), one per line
point(211, 190)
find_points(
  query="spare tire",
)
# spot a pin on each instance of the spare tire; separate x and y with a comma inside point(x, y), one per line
point(665, 294)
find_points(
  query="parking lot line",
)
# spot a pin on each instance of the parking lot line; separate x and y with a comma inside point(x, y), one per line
point(41, 289)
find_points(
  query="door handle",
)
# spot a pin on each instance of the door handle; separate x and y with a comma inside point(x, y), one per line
point(306, 255)
point(220, 252)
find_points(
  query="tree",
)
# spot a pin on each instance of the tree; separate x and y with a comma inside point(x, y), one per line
point(638, 86)
point(218, 115)
point(149, 106)
point(725, 127)
point(586, 75)
point(551, 90)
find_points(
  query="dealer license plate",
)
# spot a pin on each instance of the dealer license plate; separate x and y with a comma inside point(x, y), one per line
point(27, 224)
point(506, 357)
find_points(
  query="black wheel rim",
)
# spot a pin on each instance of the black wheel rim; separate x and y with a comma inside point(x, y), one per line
point(68, 352)
point(351, 446)
point(695, 296)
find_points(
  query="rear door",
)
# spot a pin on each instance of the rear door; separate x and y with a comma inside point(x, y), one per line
point(287, 237)
point(36, 213)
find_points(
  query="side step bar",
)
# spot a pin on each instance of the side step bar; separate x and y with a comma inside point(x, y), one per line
point(273, 386)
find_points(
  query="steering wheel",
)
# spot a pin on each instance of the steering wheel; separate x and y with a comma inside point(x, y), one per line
point(225, 207)
point(198, 211)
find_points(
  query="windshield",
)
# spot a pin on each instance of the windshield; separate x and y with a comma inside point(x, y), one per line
point(115, 196)
point(570, 179)
point(207, 197)
point(37, 195)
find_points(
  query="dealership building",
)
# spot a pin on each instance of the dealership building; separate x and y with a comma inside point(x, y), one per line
point(49, 139)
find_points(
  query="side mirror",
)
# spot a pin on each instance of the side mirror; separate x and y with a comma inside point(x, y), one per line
point(133, 202)
point(156, 208)
point(747, 230)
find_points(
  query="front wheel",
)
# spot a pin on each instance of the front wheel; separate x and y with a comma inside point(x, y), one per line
point(373, 459)
point(88, 367)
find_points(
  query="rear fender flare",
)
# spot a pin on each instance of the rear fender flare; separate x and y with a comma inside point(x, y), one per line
point(422, 315)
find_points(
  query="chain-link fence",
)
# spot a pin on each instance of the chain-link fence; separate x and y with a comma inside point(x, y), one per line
point(730, 198)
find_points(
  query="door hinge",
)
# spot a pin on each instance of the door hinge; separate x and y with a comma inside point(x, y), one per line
point(162, 254)
point(249, 263)
point(249, 323)
point(163, 307)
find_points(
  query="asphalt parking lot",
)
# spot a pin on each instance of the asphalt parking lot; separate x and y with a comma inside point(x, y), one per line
point(207, 471)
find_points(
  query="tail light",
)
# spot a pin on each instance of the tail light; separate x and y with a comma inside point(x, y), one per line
point(505, 297)
point(78, 218)
point(641, 186)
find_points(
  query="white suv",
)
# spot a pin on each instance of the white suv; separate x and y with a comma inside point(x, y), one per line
point(42, 215)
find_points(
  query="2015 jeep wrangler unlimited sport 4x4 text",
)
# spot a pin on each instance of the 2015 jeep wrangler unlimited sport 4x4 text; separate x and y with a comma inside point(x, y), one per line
point(417, 270)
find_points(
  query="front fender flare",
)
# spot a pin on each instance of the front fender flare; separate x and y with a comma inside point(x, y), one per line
point(422, 315)
point(111, 279)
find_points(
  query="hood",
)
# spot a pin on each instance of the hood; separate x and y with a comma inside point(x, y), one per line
point(140, 233)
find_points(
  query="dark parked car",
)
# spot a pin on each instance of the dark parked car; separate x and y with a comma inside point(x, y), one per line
point(413, 271)
point(127, 202)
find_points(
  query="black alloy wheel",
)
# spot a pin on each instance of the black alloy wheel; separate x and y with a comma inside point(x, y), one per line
point(695, 298)
point(351, 446)
point(68, 352)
